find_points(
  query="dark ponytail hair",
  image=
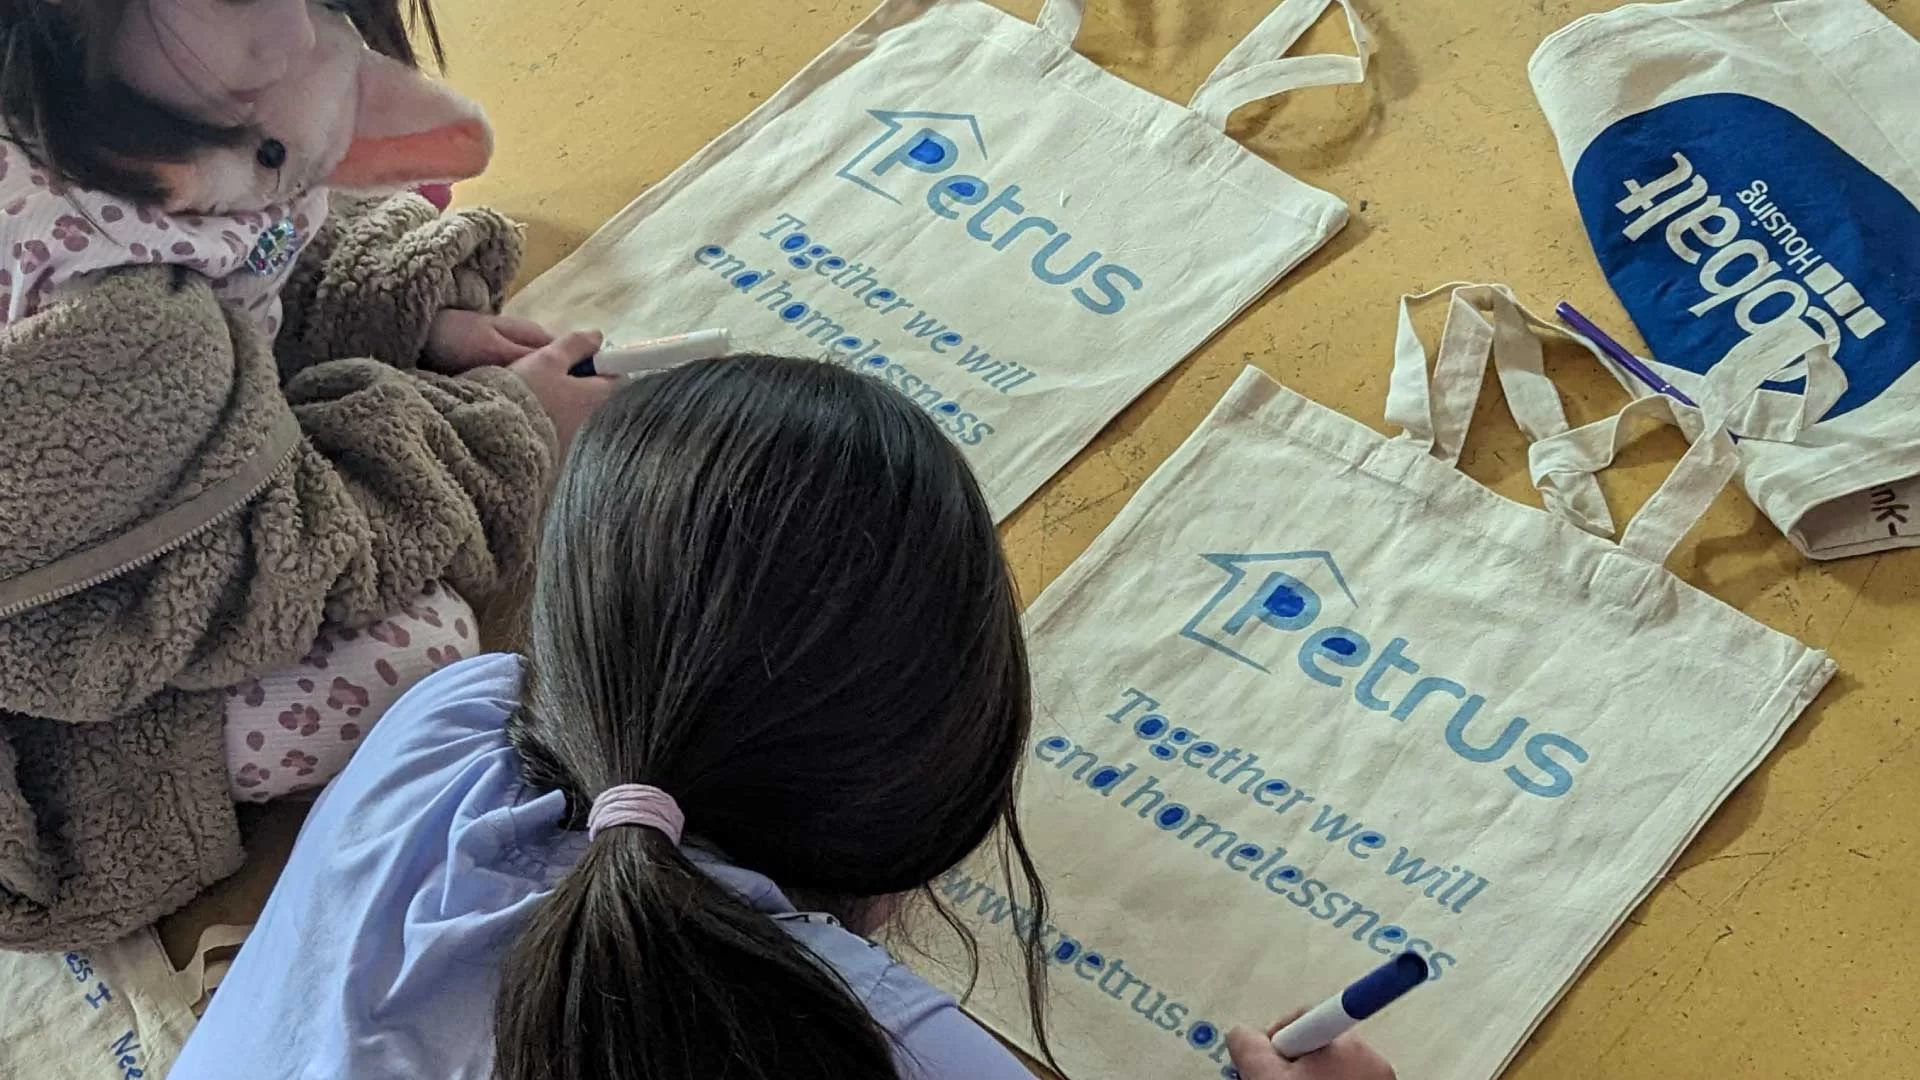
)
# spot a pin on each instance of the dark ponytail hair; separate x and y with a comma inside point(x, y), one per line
point(772, 589)
point(60, 102)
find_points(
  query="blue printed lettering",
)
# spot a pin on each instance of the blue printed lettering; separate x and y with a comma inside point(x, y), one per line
point(1560, 779)
point(1336, 645)
point(1248, 616)
point(1392, 658)
point(1762, 218)
point(934, 146)
point(964, 190)
point(1411, 868)
point(1333, 825)
point(1494, 751)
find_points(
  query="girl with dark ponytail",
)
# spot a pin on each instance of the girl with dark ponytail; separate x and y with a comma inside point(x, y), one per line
point(776, 683)
point(771, 606)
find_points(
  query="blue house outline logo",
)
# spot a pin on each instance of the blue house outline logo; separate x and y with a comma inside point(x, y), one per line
point(926, 151)
point(1273, 613)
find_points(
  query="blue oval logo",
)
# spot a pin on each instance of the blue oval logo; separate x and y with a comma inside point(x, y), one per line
point(1716, 215)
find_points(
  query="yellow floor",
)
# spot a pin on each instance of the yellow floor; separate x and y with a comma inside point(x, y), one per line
point(1784, 943)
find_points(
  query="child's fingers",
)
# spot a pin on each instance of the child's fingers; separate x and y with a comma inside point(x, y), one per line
point(497, 348)
point(567, 350)
point(1254, 1057)
point(1244, 1042)
point(1284, 1021)
point(522, 332)
point(578, 345)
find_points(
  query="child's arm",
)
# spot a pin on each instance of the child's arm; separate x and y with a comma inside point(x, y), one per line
point(126, 412)
point(372, 278)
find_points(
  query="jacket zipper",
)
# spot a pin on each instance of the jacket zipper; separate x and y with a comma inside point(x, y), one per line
point(161, 552)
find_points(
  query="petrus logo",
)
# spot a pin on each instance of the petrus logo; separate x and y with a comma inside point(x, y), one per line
point(910, 143)
point(1270, 591)
point(938, 160)
point(1718, 215)
point(1290, 614)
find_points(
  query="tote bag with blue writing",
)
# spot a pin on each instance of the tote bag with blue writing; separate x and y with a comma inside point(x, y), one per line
point(116, 1012)
point(955, 201)
point(1740, 163)
point(1316, 697)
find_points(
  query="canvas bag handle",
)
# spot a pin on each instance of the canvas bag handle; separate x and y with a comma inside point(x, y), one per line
point(1732, 386)
point(1062, 19)
point(1256, 68)
point(1434, 411)
point(1770, 417)
point(201, 977)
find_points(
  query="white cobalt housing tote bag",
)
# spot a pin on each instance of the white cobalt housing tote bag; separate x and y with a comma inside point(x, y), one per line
point(1316, 697)
point(1740, 163)
point(955, 201)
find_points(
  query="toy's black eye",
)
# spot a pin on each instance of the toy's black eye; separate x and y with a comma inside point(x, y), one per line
point(272, 154)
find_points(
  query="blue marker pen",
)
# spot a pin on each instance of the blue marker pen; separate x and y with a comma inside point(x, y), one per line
point(1328, 1020)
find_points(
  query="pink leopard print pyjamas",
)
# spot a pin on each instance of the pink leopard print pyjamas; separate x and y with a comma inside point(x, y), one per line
point(295, 729)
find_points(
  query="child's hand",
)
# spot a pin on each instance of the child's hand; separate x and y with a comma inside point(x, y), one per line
point(463, 340)
point(1346, 1058)
point(568, 399)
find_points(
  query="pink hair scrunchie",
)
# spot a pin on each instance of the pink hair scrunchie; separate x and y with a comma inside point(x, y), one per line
point(636, 804)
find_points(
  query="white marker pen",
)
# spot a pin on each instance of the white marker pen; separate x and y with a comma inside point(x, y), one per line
point(1326, 1021)
point(656, 355)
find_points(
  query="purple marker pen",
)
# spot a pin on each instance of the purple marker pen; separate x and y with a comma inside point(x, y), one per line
point(1618, 354)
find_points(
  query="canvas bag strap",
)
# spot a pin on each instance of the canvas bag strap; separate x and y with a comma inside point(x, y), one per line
point(1258, 68)
point(1741, 409)
point(1709, 463)
point(200, 977)
point(1434, 411)
point(1062, 19)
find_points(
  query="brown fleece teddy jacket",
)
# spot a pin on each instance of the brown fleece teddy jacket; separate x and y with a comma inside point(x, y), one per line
point(180, 510)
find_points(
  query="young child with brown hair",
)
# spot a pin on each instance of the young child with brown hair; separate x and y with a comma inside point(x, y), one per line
point(261, 442)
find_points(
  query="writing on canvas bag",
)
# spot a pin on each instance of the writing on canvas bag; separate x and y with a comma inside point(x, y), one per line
point(955, 201)
point(1316, 697)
